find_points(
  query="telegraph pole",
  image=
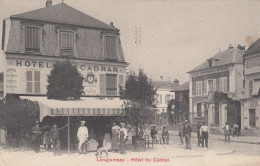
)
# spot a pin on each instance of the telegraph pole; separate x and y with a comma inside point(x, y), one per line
point(138, 41)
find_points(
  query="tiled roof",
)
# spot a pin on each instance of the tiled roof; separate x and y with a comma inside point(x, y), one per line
point(229, 56)
point(62, 13)
point(163, 84)
point(183, 87)
point(253, 48)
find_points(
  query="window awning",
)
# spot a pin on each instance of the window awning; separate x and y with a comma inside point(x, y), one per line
point(256, 87)
point(83, 107)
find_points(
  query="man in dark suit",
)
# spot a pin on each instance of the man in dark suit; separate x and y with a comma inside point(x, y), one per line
point(56, 138)
point(187, 134)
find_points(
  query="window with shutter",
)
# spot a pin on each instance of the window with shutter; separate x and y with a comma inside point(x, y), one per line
point(33, 82)
point(110, 47)
point(111, 84)
point(66, 42)
point(214, 85)
point(102, 83)
point(32, 38)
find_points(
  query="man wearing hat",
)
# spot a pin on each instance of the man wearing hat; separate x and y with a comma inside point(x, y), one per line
point(123, 135)
point(36, 137)
point(187, 134)
point(56, 138)
point(82, 136)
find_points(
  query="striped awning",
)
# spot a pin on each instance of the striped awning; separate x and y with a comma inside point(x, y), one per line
point(86, 106)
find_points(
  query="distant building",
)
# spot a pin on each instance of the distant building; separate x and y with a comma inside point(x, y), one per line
point(163, 96)
point(251, 101)
point(215, 88)
point(182, 99)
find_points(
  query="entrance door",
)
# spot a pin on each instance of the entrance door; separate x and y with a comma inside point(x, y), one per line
point(252, 118)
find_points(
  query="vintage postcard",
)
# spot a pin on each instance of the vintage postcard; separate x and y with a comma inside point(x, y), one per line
point(129, 82)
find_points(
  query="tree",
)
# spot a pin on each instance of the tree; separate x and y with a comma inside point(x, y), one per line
point(65, 82)
point(18, 117)
point(139, 106)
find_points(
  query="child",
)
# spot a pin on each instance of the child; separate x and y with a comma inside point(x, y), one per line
point(106, 146)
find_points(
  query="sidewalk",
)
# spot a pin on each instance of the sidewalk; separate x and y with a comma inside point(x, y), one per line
point(240, 139)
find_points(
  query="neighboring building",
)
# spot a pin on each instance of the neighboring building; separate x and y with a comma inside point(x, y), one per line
point(182, 102)
point(38, 39)
point(251, 102)
point(163, 96)
point(215, 88)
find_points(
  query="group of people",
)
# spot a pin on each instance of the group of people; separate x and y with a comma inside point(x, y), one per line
point(156, 137)
point(53, 137)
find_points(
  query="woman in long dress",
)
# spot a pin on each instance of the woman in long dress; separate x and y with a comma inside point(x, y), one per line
point(115, 137)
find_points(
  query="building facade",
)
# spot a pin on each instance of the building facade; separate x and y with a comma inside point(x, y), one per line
point(251, 100)
point(39, 39)
point(215, 88)
point(181, 102)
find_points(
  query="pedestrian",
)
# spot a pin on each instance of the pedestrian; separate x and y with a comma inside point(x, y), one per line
point(56, 138)
point(198, 133)
point(187, 134)
point(46, 140)
point(115, 137)
point(235, 130)
point(123, 136)
point(154, 134)
point(226, 129)
point(180, 126)
point(82, 136)
point(204, 132)
point(36, 137)
point(165, 135)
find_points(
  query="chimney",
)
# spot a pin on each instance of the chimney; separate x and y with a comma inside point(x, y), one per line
point(111, 24)
point(48, 3)
point(230, 46)
point(176, 83)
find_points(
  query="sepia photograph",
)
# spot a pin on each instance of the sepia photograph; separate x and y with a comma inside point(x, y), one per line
point(130, 82)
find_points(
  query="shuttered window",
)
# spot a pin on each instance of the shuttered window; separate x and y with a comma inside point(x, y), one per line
point(67, 40)
point(111, 84)
point(198, 87)
point(223, 84)
point(110, 47)
point(33, 81)
point(32, 39)
point(102, 78)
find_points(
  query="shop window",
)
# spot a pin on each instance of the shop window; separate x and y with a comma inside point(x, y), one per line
point(110, 47)
point(252, 118)
point(33, 81)
point(32, 39)
point(111, 84)
point(66, 42)
point(198, 87)
point(223, 84)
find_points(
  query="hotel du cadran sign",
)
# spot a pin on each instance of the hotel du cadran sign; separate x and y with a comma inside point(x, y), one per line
point(16, 78)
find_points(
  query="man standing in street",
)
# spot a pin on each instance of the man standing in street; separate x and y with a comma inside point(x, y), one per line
point(56, 139)
point(198, 133)
point(180, 126)
point(82, 137)
point(187, 134)
point(123, 136)
point(226, 129)
point(36, 137)
point(204, 132)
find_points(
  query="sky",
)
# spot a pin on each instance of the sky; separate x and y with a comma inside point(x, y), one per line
point(176, 35)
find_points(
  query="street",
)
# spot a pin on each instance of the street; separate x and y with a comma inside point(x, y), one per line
point(218, 153)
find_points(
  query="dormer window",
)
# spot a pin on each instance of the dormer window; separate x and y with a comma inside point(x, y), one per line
point(32, 38)
point(66, 42)
point(110, 51)
point(212, 61)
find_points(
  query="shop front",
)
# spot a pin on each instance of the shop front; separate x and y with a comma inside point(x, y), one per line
point(98, 114)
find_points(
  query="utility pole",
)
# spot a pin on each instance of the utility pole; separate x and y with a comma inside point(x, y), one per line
point(138, 41)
